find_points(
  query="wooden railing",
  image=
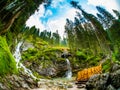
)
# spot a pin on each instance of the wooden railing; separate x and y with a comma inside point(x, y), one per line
point(85, 74)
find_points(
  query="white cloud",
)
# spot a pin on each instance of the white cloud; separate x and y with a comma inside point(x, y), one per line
point(118, 4)
point(54, 23)
point(71, 13)
point(40, 11)
point(108, 4)
point(55, 3)
point(58, 23)
point(48, 13)
point(34, 19)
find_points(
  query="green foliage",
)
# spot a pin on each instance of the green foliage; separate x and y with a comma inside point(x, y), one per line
point(7, 62)
point(116, 55)
point(81, 55)
point(86, 32)
point(42, 54)
point(114, 33)
point(94, 60)
point(85, 58)
point(37, 75)
point(15, 16)
point(106, 66)
point(52, 38)
point(107, 19)
point(1, 25)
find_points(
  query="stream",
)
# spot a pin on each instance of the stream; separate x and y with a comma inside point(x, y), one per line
point(66, 83)
point(59, 84)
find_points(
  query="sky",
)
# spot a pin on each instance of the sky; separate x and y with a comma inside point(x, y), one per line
point(54, 17)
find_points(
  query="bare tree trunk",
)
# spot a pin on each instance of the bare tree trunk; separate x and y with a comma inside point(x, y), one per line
point(10, 22)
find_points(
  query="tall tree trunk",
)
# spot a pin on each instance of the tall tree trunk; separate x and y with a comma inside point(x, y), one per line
point(10, 22)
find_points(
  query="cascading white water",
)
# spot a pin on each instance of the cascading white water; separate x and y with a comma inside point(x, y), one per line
point(69, 71)
point(17, 56)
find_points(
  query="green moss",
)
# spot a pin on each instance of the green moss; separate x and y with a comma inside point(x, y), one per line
point(38, 75)
point(7, 62)
point(106, 66)
point(93, 60)
point(81, 55)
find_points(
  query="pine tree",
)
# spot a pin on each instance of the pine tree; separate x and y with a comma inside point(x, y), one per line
point(70, 34)
point(108, 18)
point(117, 13)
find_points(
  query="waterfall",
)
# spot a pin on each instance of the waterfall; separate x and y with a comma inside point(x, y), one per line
point(17, 56)
point(69, 71)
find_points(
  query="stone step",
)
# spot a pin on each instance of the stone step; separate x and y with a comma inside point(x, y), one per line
point(81, 86)
point(81, 82)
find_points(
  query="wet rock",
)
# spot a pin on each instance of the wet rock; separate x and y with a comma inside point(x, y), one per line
point(48, 71)
point(97, 82)
point(70, 86)
point(40, 84)
point(107, 81)
point(115, 67)
point(30, 80)
point(118, 88)
point(2, 87)
point(16, 84)
point(115, 79)
point(23, 84)
point(27, 45)
point(110, 87)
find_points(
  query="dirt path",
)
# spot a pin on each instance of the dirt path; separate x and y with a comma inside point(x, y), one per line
point(74, 87)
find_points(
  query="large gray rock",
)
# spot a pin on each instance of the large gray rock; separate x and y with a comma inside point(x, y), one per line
point(110, 87)
point(2, 87)
point(97, 82)
point(118, 88)
point(48, 71)
point(107, 81)
point(115, 79)
point(115, 67)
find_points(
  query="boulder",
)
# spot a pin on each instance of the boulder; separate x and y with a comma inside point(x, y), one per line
point(2, 87)
point(118, 88)
point(110, 87)
point(97, 82)
point(115, 79)
point(48, 71)
point(106, 81)
point(115, 67)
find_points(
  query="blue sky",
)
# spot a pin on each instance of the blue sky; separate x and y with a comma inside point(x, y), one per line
point(54, 17)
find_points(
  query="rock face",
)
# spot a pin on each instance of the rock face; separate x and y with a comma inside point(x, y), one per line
point(107, 81)
point(48, 65)
point(50, 70)
point(15, 82)
point(47, 71)
point(115, 79)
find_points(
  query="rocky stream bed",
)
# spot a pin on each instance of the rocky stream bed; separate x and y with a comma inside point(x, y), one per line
point(105, 81)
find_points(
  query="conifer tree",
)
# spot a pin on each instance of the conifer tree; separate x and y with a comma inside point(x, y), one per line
point(108, 18)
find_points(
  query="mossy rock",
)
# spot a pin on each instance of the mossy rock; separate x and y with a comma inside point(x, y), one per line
point(7, 62)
